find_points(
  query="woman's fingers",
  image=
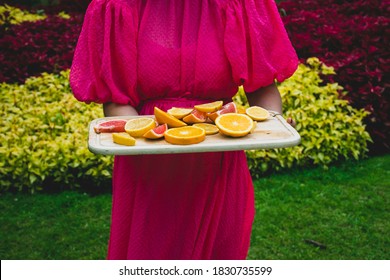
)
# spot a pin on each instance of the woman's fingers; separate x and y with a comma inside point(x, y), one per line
point(291, 122)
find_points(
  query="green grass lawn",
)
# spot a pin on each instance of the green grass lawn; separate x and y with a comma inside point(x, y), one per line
point(339, 213)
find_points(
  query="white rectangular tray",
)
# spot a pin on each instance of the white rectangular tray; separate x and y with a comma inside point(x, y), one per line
point(275, 132)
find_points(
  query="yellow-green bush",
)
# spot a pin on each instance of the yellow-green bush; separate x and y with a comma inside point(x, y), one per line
point(330, 128)
point(43, 136)
point(13, 15)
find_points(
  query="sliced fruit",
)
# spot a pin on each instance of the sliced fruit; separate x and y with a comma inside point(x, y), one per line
point(139, 126)
point(111, 126)
point(253, 127)
point(208, 128)
point(157, 132)
point(163, 117)
point(257, 113)
point(185, 135)
point(209, 107)
point(227, 108)
point(234, 124)
point(195, 117)
point(123, 138)
point(179, 113)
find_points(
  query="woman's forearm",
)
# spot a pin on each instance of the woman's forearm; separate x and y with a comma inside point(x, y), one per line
point(266, 97)
point(270, 99)
point(114, 109)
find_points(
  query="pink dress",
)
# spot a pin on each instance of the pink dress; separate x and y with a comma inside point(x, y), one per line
point(180, 53)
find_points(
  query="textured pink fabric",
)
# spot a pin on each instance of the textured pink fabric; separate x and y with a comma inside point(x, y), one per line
point(179, 53)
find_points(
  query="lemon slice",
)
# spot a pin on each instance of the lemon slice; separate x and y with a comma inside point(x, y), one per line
point(139, 126)
point(209, 107)
point(257, 113)
point(179, 113)
point(234, 124)
point(123, 138)
point(185, 135)
point(208, 128)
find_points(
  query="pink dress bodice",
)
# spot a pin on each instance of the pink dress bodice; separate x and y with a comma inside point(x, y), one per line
point(131, 51)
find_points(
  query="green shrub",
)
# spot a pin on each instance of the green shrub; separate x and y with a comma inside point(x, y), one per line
point(330, 128)
point(43, 136)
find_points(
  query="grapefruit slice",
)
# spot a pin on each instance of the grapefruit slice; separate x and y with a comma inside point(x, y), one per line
point(185, 135)
point(195, 117)
point(164, 117)
point(157, 132)
point(110, 126)
point(227, 108)
point(234, 124)
point(139, 126)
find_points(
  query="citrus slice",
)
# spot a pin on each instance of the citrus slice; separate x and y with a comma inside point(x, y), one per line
point(179, 113)
point(209, 107)
point(163, 117)
point(185, 135)
point(195, 117)
point(139, 126)
point(227, 108)
point(157, 132)
point(208, 128)
point(257, 113)
point(234, 124)
point(123, 138)
point(253, 127)
point(110, 126)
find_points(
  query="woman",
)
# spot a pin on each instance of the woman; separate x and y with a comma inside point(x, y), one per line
point(133, 55)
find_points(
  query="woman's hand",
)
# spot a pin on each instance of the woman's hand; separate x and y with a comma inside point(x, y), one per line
point(114, 109)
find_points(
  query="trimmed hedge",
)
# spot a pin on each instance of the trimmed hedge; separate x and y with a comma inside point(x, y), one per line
point(353, 37)
point(43, 133)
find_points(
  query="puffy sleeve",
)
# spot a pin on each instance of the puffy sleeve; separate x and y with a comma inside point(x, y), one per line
point(104, 65)
point(257, 45)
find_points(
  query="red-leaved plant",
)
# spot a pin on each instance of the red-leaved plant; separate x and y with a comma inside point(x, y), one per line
point(353, 37)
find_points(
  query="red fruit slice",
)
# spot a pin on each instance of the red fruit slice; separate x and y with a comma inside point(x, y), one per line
point(111, 126)
point(196, 116)
point(227, 108)
point(157, 132)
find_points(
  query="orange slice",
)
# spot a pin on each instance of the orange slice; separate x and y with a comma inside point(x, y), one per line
point(234, 124)
point(111, 126)
point(123, 138)
point(227, 108)
point(139, 126)
point(209, 107)
point(257, 113)
point(157, 132)
point(185, 135)
point(208, 128)
point(179, 113)
point(195, 117)
point(163, 117)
